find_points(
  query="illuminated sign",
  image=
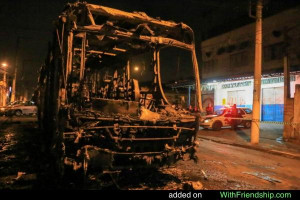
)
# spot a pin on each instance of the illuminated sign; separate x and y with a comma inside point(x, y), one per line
point(239, 84)
point(276, 80)
point(263, 82)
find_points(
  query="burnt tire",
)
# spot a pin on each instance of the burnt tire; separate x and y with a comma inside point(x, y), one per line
point(217, 126)
point(247, 124)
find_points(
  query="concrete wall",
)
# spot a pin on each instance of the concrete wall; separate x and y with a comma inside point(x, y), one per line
point(296, 127)
point(288, 117)
point(237, 60)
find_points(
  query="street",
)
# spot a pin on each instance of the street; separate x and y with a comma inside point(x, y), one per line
point(150, 95)
point(220, 166)
point(229, 167)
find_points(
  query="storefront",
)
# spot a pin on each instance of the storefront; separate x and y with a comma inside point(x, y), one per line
point(240, 92)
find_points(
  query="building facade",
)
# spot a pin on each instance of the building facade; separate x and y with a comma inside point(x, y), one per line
point(232, 54)
point(240, 92)
point(228, 63)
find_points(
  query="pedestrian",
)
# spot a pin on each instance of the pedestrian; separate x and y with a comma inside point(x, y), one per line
point(209, 109)
point(234, 114)
point(190, 108)
point(196, 109)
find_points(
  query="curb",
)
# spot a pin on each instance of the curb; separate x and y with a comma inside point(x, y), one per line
point(275, 152)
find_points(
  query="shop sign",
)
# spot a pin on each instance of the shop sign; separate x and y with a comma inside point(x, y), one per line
point(263, 81)
point(239, 84)
point(276, 80)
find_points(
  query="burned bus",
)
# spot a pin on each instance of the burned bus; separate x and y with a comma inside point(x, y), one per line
point(93, 113)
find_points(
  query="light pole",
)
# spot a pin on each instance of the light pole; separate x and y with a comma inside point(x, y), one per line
point(13, 95)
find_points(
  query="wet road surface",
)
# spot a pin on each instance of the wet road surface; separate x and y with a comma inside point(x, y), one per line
point(220, 166)
point(18, 153)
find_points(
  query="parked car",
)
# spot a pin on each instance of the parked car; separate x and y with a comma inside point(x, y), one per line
point(222, 118)
point(4, 109)
point(23, 108)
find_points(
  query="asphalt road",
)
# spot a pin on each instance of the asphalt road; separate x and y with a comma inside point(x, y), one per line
point(230, 167)
point(219, 166)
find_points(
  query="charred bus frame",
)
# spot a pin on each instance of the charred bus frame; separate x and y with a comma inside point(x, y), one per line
point(92, 119)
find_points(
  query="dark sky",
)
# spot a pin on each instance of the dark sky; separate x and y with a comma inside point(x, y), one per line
point(31, 22)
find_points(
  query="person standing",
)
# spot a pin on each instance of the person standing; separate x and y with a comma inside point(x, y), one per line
point(209, 109)
point(191, 108)
point(234, 114)
point(196, 109)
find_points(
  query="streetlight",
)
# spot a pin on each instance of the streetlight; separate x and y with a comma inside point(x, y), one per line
point(4, 64)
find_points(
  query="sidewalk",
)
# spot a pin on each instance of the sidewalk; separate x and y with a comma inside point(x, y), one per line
point(270, 139)
point(7, 121)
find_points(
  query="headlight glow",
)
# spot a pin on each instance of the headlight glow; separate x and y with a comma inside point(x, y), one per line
point(207, 120)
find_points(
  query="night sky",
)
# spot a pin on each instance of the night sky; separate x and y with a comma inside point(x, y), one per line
point(31, 22)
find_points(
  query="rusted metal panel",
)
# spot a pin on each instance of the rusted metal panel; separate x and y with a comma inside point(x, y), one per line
point(115, 106)
point(82, 56)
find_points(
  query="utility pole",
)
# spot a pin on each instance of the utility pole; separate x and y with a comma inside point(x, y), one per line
point(288, 102)
point(189, 97)
point(13, 94)
point(288, 130)
point(255, 124)
point(5, 87)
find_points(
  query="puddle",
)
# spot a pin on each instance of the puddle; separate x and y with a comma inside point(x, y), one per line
point(7, 142)
point(279, 140)
point(263, 176)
